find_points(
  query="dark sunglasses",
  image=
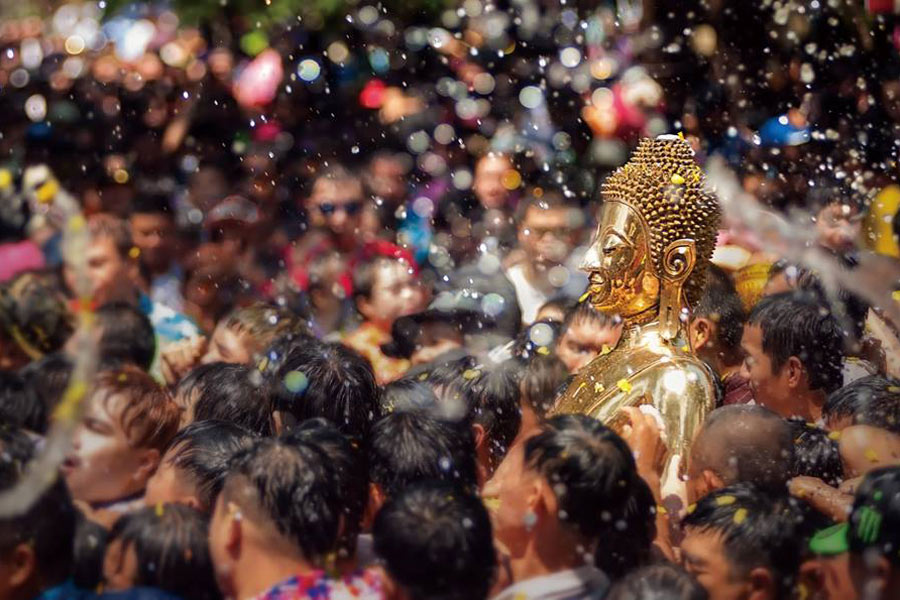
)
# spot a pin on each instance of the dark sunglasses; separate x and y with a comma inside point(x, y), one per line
point(351, 208)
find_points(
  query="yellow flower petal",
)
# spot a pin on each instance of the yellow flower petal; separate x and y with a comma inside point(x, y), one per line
point(725, 500)
point(677, 179)
point(624, 385)
point(740, 515)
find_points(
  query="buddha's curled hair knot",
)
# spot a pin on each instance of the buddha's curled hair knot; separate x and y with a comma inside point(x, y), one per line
point(664, 184)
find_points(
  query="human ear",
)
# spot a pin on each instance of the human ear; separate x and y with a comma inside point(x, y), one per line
point(700, 331)
point(712, 481)
point(21, 565)
point(810, 578)
point(149, 461)
point(365, 307)
point(480, 435)
point(795, 372)
point(762, 584)
point(235, 533)
point(374, 504)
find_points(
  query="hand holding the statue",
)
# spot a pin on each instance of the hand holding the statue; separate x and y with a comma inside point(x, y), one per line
point(643, 435)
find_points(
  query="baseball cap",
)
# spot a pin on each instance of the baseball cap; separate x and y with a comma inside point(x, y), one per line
point(874, 521)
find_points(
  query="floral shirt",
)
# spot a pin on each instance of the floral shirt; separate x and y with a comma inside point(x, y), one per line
point(364, 585)
point(367, 340)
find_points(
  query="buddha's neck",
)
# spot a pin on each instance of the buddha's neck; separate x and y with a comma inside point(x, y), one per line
point(649, 333)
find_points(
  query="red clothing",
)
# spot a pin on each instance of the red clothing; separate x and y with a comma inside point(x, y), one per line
point(737, 390)
point(365, 585)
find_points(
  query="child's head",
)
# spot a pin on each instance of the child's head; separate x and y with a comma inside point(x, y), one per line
point(793, 352)
point(32, 557)
point(586, 333)
point(541, 380)
point(815, 453)
point(195, 464)
point(386, 288)
point(435, 541)
point(225, 392)
point(126, 336)
point(164, 547)
point(245, 332)
point(870, 400)
point(128, 423)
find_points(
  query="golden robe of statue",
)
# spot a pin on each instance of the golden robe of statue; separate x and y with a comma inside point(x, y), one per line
point(647, 263)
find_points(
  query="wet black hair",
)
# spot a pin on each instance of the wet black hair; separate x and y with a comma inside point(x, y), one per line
point(796, 324)
point(591, 470)
point(49, 519)
point(349, 462)
point(872, 400)
point(435, 541)
point(48, 378)
point(720, 302)
point(202, 452)
point(126, 336)
point(295, 489)
point(541, 381)
point(525, 348)
point(170, 543)
point(229, 392)
point(329, 381)
point(407, 394)
point(663, 581)
point(815, 453)
point(19, 406)
point(90, 546)
point(757, 528)
point(407, 447)
point(585, 311)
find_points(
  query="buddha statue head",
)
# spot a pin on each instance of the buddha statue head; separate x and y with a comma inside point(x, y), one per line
point(656, 236)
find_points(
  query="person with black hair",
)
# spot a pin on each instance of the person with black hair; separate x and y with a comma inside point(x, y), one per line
point(555, 309)
point(226, 392)
point(586, 334)
point(349, 464)
point(663, 581)
point(871, 401)
point(19, 406)
point(539, 381)
point(275, 523)
point(556, 502)
point(48, 378)
point(742, 443)
point(816, 454)
point(152, 222)
point(32, 559)
point(408, 446)
point(715, 329)
point(88, 553)
point(126, 336)
point(194, 466)
point(329, 381)
point(434, 540)
point(793, 353)
point(164, 547)
point(743, 542)
point(408, 394)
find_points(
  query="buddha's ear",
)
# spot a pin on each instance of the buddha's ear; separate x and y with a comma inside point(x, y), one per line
point(678, 261)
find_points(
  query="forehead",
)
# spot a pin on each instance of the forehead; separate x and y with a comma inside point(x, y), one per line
point(492, 162)
point(702, 544)
point(752, 337)
point(537, 215)
point(102, 245)
point(336, 189)
point(106, 405)
point(141, 220)
point(585, 331)
point(388, 272)
point(620, 218)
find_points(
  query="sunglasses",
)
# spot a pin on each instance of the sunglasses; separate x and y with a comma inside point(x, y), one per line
point(351, 208)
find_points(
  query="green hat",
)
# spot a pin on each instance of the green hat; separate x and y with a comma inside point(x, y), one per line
point(830, 541)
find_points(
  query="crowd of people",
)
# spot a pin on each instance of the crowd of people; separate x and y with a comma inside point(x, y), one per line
point(307, 342)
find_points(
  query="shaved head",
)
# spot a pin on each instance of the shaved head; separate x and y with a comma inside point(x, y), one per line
point(744, 443)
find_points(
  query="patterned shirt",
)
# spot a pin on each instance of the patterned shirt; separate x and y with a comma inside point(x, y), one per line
point(364, 585)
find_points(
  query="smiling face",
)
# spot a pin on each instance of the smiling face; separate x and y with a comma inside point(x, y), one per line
point(619, 264)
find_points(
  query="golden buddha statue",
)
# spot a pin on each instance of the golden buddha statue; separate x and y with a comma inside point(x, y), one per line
point(647, 263)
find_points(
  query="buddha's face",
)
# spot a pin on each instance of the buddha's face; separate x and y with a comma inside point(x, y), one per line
point(619, 264)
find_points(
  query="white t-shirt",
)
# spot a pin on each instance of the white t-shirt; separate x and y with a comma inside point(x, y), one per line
point(531, 298)
point(583, 583)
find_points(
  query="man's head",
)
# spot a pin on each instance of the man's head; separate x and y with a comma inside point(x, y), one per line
point(586, 334)
point(740, 444)
point(163, 547)
point(279, 498)
point(743, 543)
point(349, 465)
point(194, 466)
point(245, 332)
point(34, 319)
point(547, 226)
point(407, 447)
point(871, 536)
point(386, 176)
point(435, 541)
point(111, 263)
point(34, 554)
point(387, 288)
point(126, 336)
point(562, 488)
point(128, 423)
point(155, 235)
point(335, 204)
point(226, 392)
point(329, 381)
point(870, 400)
point(793, 353)
point(718, 321)
point(489, 185)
